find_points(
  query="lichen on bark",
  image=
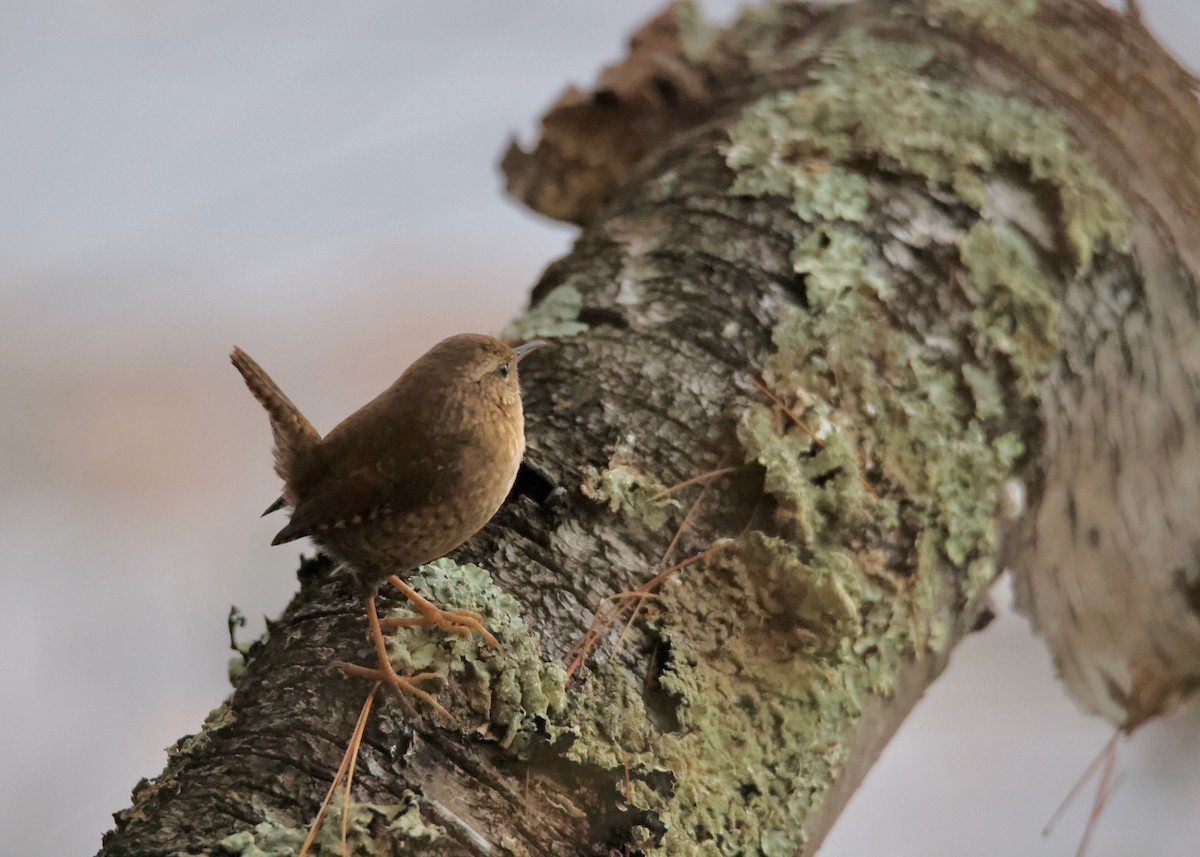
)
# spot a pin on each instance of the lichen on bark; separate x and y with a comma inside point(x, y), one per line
point(887, 407)
point(370, 829)
point(847, 215)
point(505, 691)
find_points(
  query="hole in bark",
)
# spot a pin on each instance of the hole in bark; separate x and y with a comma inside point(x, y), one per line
point(748, 790)
point(605, 98)
point(610, 819)
point(1072, 516)
point(797, 287)
point(602, 316)
point(632, 818)
point(1190, 589)
point(667, 89)
point(529, 484)
point(662, 782)
point(747, 705)
point(824, 478)
point(662, 708)
point(313, 569)
point(985, 617)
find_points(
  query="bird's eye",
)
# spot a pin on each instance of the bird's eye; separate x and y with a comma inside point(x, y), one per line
point(502, 370)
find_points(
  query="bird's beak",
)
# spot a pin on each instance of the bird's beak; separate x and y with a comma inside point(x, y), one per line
point(533, 344)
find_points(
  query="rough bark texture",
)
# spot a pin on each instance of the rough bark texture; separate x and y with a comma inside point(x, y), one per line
point(956, 268)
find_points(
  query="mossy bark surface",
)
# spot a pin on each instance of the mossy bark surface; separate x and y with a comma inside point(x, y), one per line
point(866, 264)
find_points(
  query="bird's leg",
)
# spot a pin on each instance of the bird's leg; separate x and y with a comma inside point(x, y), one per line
point(460, 622)
point(385, 672)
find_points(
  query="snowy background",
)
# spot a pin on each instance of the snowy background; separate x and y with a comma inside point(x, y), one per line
point(316, 182)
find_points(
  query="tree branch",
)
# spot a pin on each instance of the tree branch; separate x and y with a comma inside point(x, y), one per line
point(954, 265)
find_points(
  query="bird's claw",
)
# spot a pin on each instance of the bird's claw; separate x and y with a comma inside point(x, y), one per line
point(400, 684)
point(459, 622)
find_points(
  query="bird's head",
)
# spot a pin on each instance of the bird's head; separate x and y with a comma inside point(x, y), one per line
point(476, 366)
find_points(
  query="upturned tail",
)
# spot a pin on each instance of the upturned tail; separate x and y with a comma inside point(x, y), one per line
point(293, 433)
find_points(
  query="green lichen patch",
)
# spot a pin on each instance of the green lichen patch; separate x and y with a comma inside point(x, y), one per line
point(767, 686)
point(696, 33)
point(267, 839)
point(922, 426)
point(991, 14)
point(244, 648)
point(555, 316)
point(834, 261)
point(218, 718)
point(764, 686)
point(843, 364)
point(509, 690)
point(1017, 315)
point(627, 489)
point(605, 721)
point(371, 829)
point(869, 101)
point(815, 484)
point(985, 390)
point(798, 632)
point(769, 156)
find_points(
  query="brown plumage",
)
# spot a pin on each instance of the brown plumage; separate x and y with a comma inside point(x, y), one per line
point(408, 477)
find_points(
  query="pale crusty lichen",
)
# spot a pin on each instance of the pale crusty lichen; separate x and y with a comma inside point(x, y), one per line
point(625, 488)
point(1007, 15)
point(371, 829)
point(985, 390)
point(219, 718)
point(1016, 315)
point(605, 721)
point(781, 706)
point(870, 101)
point(813, 482)
point(759, 712)
point(872, 392)
point(509, 690)
point(555, 316)
point(696, 33)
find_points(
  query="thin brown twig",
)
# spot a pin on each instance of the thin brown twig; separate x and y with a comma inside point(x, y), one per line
point(352, 752)
point(347, 763)
point(683, 525)
point(610, 612)
point(762, 388)
point(1103, 791)
point(687, 483)
point(607, 615)
point(1108, 749)
point(641, 596)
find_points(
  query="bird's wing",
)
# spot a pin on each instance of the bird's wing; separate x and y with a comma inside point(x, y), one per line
point(352, 497)
point(375, 463)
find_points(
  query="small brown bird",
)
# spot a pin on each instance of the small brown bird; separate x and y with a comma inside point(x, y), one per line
point(405, 479)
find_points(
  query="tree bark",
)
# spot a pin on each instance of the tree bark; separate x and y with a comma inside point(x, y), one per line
point(914, 280)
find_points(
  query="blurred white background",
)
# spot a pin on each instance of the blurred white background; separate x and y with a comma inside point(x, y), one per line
point(316, 182)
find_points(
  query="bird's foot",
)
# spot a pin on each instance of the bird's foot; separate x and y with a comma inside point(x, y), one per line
point(460, 622)
point(401, 684)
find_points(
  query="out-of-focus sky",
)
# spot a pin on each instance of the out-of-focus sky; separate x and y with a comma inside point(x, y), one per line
point(316, 182)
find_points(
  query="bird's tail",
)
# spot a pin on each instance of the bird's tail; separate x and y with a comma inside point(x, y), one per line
point(293, 433)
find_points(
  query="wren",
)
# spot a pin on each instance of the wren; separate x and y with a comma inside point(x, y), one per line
point(405, 479)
